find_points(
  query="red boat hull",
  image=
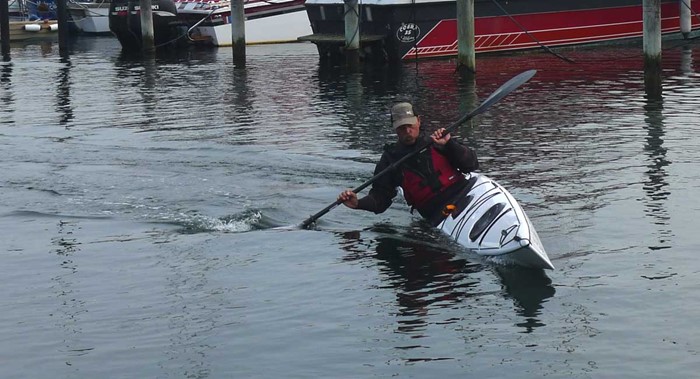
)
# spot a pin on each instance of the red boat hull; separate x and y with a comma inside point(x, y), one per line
point(429, 29)
point(551, 29)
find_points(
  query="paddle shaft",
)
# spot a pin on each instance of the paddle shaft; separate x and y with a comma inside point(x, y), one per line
point(497, 95)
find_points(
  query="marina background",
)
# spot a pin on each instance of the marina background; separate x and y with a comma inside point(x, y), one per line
point(140, 200)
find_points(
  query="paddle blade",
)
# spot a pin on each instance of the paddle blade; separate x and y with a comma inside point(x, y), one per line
point(501, 92)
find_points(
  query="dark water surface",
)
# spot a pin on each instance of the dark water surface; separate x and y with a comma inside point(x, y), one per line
point(139, 200)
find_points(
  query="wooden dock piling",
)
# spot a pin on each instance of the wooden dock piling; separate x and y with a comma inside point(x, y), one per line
point(352, 33)
point(5, 29)
point(652, 29)
point(238, 33)
point(62, 15)
point(686, 18)
point(147, 35)
point(652, 46)
point(466, 51)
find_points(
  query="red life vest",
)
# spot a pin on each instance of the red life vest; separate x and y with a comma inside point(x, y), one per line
point(421, 185)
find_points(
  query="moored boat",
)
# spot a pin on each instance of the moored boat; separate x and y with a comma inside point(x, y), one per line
point(209, 22)
point(488, 221)
point(125, 23)
point(266, 21)
point(90, 16)
point(412, 29)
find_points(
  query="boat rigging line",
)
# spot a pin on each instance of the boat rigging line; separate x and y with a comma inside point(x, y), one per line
point(415, 41)
point(86, 9)
point(545, 47)
point(189, 31)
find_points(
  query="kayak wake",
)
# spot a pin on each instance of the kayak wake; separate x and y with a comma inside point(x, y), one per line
point(238, 223)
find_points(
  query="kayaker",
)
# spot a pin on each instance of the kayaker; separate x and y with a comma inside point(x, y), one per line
point(430, 180)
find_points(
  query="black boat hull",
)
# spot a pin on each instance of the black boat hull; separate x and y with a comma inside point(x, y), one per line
point(125, 24)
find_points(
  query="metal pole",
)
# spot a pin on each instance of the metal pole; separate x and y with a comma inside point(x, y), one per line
point(685, 14)
point(62, 14)
point(147, 35)
point(466, 51)
point(352, 33)
point(5, 28)
point(238, 33)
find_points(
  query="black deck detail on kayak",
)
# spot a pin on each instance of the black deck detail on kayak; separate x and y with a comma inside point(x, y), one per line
point(485, 220)
point(462, 201)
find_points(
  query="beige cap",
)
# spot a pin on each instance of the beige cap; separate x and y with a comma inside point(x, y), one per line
point(402, 114)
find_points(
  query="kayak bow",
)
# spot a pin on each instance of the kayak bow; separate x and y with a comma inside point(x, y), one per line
point(490, 222)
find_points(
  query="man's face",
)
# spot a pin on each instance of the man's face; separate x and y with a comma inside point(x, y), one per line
point(408, 134)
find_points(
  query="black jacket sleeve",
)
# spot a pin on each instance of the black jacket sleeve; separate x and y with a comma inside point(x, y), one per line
point(383, 189)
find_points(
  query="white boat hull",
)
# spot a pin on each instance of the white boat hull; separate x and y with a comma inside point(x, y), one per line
point(280, 28)
point(490, 222)
point(90, 17)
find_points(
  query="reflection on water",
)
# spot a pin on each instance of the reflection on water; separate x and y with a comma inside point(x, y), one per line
point(427, 277)
point(5, 72)
point(239, 98)
point(63, 97)
point(656, 184)
point(190, 315)
point(6, 85)
point(148, 88)
point(66, 288)
point(530, 289)
point(172, 166)
point(144, 75)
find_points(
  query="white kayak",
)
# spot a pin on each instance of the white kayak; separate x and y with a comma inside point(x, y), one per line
point(490, 222)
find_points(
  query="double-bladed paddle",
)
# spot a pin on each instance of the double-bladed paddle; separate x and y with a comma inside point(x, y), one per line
point(497, 95)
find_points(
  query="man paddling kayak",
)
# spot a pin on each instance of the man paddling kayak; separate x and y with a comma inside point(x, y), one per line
point(430, 180)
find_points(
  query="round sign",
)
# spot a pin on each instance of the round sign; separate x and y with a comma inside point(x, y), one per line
point(408, 32)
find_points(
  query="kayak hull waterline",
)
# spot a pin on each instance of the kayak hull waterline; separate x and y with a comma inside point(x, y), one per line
point(490, 222)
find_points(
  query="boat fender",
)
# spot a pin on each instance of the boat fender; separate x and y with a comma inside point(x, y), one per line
point(32, 27)
point(53, 27)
